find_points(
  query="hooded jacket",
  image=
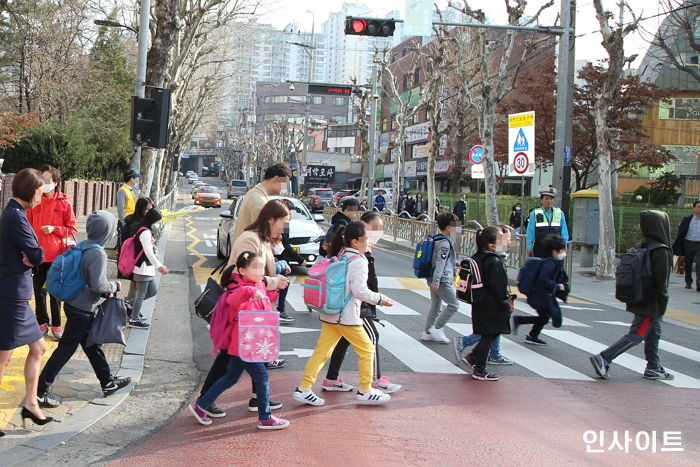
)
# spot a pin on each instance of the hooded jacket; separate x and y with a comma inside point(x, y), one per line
point(57, 211)
point(655, 228)
point(100, 226)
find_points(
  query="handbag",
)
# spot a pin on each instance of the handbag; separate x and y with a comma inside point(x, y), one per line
point(108, 325)
point(205, 303)
point(679, 267)
point(258, 332)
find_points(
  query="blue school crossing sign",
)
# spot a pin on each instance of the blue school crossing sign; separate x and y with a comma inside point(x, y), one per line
point(521, 143)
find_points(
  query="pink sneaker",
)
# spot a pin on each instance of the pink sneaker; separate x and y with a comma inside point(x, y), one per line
point(273, 423)
point(199, 413)
point(44, 328)
point(337, 385)
point(386, 386)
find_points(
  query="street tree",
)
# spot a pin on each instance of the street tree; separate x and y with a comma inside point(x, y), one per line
point(631, 148)
point(14, 127)
point(361, 106)
point(405, 108)
point(602, 101)
point(498, 75)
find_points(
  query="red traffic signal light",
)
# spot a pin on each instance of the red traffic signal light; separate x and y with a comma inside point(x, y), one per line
point(376, 27)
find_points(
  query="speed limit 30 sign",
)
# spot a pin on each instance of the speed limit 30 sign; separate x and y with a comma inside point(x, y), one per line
point(521, 163)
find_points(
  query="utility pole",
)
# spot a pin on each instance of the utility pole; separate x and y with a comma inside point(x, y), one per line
point(563, 152)
point(372, 140)
point(307, 107)
point(140, 89)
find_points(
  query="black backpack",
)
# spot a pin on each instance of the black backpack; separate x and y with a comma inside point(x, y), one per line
point(328, 238)
point(634, 278)
point(470, 287)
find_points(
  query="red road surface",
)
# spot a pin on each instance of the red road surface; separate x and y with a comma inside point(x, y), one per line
point(437, 420)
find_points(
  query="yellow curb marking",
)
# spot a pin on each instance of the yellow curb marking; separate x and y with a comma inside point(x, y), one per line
point(413, 283)
point(201, 274)
point(683, 316)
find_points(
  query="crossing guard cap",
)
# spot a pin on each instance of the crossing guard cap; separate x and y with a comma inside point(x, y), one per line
point(549, 191)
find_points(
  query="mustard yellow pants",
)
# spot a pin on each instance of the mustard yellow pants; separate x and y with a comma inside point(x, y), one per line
point(330, 335)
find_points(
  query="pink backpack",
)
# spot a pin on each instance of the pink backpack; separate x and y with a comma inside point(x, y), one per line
point(220, 325)
point(127, 254)
point(324, 287)
point(258, 332)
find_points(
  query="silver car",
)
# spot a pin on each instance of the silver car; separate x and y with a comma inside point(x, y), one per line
point(304, 233)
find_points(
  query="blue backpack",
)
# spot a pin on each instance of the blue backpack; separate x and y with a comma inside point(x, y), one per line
point(64, 280)
point(527, 276)
point(324, 287)
point(423, 259)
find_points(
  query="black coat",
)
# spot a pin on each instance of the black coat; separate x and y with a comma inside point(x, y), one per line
point(678, 249)
point(492, 316)
point(460, 209)
point(289, 254)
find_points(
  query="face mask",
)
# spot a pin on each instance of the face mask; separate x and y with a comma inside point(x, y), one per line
point(374, 235)
point(561, 256)
point(155, 227)
point(48, 187)
point(517, 208)
point(501, 248)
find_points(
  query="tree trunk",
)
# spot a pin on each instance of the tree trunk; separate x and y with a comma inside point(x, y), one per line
point(490, 169)
point(605, 267)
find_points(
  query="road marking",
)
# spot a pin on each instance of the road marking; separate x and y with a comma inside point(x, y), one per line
point(533, 361)
point(295, 297)
point(413, 283)
point(209, 243)
point(464, 308)
point(614, 323)
point(398, 310)
point(292, 330)
point(301, 353)
point(685, 352)
point(571, 307)
point(625, 360)
point(565, 321)
point(386, 282)
point(207, 236)
point(412, 353)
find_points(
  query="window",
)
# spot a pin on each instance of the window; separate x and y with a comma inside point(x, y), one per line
point(680, 109)
point(340, 101)
point(318, 100)
point(405, 82)
point(416, 77)
point(404, 52)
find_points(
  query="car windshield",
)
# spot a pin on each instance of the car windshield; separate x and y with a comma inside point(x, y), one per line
point(208, 189)
point(299, 212)
point(324, 192)
point(239, 183)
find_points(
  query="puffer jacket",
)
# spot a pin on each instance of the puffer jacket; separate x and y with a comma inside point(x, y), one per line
point(655, 228)
point(57, 211)
point(492, 316)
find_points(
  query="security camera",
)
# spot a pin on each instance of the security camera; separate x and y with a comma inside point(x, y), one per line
point(291, 87)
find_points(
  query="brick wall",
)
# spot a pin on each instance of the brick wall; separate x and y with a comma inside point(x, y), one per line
point(85, 196)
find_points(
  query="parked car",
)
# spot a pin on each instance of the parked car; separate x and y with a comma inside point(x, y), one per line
point(388, 195)
point(235, 188)
point(342, 194)
point(316, 198)
point(192, 178)
point(207, 196)
point(196, 186)
point(304, 233)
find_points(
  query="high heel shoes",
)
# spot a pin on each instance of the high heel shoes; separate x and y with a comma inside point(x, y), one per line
point(26, 414)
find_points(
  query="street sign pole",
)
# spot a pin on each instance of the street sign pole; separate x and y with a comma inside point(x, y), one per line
point(372, 140)
point(522, 202)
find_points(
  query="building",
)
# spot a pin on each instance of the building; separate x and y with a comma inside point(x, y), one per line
point(675, 123)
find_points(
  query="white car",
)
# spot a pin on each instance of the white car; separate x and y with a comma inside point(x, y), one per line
point(388, 195)
point(304, 233)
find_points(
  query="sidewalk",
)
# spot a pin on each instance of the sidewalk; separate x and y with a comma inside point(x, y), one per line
point(683, 307)
point(84, 403)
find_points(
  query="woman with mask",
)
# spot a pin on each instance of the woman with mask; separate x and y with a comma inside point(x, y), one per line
point(516, 217)
point(146, 265)
point(419, 206)
point(368, 313)
point(53, 222)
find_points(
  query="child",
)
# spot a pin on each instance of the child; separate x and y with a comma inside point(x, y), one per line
point(551, 282)
point(490, 317)
point(245, 285)
point(354, 241)
point(146, 267)
point(441, 283)
point(368, 313)
point(460, 343)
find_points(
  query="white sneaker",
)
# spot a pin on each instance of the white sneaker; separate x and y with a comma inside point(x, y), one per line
point(439, 335)
point(307, 397)
point(373, 397)
point(426, 336)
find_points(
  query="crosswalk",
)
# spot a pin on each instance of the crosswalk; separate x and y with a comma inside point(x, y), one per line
point(406, 347)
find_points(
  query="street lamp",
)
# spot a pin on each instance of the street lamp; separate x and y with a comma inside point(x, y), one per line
point(140, 87)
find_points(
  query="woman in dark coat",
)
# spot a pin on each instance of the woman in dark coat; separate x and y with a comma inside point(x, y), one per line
point(491, 317)
point(19, 253)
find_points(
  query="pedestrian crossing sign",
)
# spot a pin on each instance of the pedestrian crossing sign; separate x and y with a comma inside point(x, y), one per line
point(521, 143)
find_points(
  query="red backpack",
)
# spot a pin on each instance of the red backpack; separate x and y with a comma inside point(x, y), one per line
point(127, 255)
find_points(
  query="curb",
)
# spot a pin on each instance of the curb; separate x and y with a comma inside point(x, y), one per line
point(132, 365)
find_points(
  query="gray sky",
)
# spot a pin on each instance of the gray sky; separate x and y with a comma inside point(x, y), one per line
point(282, 12)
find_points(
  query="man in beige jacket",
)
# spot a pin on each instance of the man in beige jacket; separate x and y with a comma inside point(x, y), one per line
point(274, 181)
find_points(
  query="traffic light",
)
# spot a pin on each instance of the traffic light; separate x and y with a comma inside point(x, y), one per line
point(149, 118)
point(376, 27)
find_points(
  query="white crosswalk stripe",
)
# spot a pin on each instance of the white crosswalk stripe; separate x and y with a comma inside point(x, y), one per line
point(424, 358)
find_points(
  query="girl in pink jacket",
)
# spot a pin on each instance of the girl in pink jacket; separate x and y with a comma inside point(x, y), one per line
point(244, 286)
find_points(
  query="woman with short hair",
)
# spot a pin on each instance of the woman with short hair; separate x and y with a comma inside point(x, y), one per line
point(19, 253)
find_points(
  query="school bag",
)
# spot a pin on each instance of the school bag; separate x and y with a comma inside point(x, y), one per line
point(528, 274)
point(324, 287)
point(258, 332)
point(127, 255)
point(64, 279)
point(220, 320)
point(328, 238)
point(634, 279)
point(423, 258)
point(470, 284)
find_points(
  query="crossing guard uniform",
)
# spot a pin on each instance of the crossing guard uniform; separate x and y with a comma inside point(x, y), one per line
point(543, 223)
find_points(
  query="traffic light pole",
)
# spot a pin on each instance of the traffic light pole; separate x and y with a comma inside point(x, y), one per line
point(140, 89)
point(372, 140)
